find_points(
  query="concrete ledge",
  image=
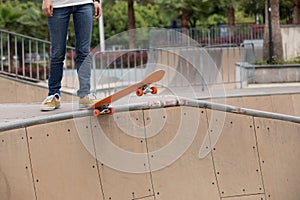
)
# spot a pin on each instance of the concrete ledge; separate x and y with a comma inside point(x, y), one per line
point(247, 73)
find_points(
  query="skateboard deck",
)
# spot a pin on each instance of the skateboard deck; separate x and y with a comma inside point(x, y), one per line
point(142, 87)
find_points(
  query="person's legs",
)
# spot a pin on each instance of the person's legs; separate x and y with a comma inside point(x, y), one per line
point(58, 28)
point(83, 23)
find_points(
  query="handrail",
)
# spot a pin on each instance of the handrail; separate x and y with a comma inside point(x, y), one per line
point(168, 101)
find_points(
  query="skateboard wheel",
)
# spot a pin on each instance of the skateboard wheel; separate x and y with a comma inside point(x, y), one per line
point(154, 90)
point(96, 112)
point(111, 111)
point(139, 92)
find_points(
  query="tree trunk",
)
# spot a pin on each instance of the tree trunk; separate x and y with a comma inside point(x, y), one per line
point(184, 20)
point(230, 19)
point(276, 32)
point(184, 25)
point(131, 24)
point(296, 11)
point(230, 15)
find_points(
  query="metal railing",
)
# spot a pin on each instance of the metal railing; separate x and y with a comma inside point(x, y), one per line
point(217, 35)
point(178, 101)
point(117, 69)
point(27, 58)
point(185, 66)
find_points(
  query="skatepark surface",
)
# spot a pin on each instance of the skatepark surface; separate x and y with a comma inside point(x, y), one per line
point(186, 143)
point(163, 147)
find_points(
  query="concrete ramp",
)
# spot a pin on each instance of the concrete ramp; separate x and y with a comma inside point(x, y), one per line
point(185, 150)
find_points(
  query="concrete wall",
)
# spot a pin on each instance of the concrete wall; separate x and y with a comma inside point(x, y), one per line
point(153, 154)
point(198, 65)
point(14, 91)
point(257, 74)
point(281, 103)
point(290, 42)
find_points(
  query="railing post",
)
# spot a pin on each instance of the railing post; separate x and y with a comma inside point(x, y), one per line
point(1, 48)
point(23, 58)
point(8, 53)
point(16, 57)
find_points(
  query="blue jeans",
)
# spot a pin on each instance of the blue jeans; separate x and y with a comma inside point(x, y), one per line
point(58, 27)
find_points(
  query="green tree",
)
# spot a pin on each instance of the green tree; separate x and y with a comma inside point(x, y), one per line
point(254, 8)
point(34, 22)
point(115, 20)
point(187, 11)
point(149, 15)
point(146, 15)
point(23, 18)
point(204, 13)
point(9, 15)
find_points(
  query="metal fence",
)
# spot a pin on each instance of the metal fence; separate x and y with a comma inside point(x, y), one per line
point(217, 35)
point(27, 58)
point(117, 69)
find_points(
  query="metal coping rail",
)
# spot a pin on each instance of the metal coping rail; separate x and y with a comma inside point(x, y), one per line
point(176, 101)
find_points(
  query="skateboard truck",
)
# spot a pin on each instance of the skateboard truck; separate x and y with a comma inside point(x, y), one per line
point(146, 89)
point(104, 109)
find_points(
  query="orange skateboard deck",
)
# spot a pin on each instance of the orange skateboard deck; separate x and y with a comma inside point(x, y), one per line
point(142, 87)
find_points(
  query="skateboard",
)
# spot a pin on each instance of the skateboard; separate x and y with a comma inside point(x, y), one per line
point(140, 88)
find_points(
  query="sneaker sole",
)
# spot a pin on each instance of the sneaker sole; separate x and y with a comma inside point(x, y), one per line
point(49, 108)
point(84, 106)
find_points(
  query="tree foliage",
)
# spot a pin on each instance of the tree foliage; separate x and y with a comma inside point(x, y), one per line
point(147, 15)
point(23, 16)
point(10, 15)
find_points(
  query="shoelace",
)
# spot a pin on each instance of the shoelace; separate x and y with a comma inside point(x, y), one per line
point(49, 99)
point(92, 96)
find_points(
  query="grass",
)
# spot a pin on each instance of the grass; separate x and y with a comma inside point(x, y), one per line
point(279, 62)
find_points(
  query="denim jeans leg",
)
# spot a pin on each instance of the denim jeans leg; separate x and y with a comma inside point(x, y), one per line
point(83, 19)
point(58, 28)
